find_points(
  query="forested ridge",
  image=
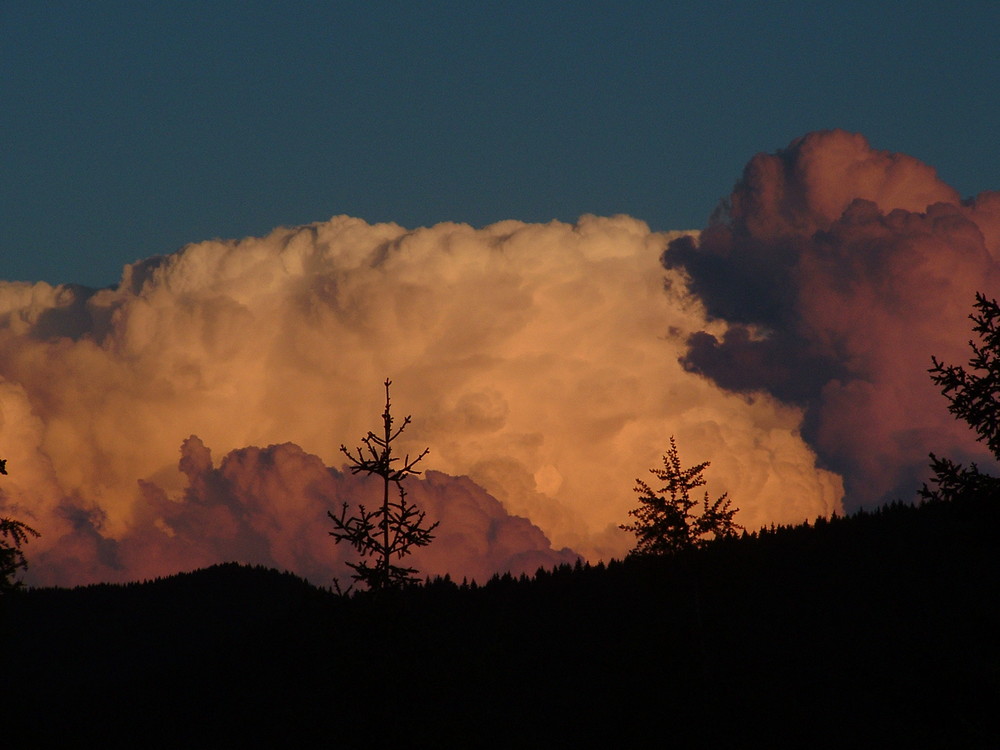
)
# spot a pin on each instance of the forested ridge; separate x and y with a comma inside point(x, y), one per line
point(879, 629)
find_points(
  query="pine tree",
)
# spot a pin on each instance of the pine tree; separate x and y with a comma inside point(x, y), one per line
point(665, 522)
point(13, 534)
point(972, 393)
point(953, 481)
point(974, 396)
point(394, 528)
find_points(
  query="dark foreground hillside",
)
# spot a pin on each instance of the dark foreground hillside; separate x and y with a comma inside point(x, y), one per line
point(878, 630)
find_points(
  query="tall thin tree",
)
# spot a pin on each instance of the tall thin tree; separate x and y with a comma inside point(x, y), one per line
point(394, 528)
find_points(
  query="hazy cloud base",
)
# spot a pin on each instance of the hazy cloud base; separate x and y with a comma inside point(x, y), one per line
point(545, 365)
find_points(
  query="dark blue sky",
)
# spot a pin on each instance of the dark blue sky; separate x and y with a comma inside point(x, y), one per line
point(129, 129)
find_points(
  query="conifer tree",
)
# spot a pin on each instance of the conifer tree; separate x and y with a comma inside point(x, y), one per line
point(12, 535)
point(973, 395)
point(666, 521)
point(393, 529)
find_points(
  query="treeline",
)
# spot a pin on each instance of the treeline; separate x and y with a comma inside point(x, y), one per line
point(879, 628)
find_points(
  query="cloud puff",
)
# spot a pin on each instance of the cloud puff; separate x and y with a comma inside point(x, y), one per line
point(845, 269)
point(539, 362)
point(268, 506)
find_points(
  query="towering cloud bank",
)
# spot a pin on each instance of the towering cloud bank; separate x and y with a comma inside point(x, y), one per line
point(843, 269)
point(539, 362)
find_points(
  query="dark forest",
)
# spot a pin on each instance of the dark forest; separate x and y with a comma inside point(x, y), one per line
point(879, 628)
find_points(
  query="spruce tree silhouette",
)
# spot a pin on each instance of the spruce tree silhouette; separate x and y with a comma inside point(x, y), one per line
point(393, 529)
point(664, 521)
point(12, 535)
point(974, 396)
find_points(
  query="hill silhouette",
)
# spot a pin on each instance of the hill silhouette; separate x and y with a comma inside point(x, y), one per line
point(877, 629)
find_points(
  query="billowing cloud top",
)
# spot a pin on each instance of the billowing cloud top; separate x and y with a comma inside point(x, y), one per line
point(846, 268)
point(539, 362)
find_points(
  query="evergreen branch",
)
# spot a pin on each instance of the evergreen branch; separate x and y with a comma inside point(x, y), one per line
point(393, 529)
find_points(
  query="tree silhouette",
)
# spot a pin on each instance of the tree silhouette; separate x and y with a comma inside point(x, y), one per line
point(393, 529)
point(972, 396)
point(664, 521)
point(12, 535)
point(953, 481)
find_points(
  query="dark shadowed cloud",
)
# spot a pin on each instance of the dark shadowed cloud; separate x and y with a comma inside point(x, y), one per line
point(843, 269)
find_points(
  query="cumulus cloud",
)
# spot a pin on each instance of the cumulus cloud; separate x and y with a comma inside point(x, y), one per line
point(539, 362)
point(268, 506)
point(844, 269)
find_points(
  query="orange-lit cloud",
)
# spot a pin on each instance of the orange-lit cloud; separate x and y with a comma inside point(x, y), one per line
point(849, 267)
point(538, 361)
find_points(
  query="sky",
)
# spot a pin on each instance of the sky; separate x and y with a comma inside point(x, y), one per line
point(132, 129)
point(567, 233)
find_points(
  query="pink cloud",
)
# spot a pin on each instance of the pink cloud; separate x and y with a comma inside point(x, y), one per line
point(846, 268)
point(268, 506)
